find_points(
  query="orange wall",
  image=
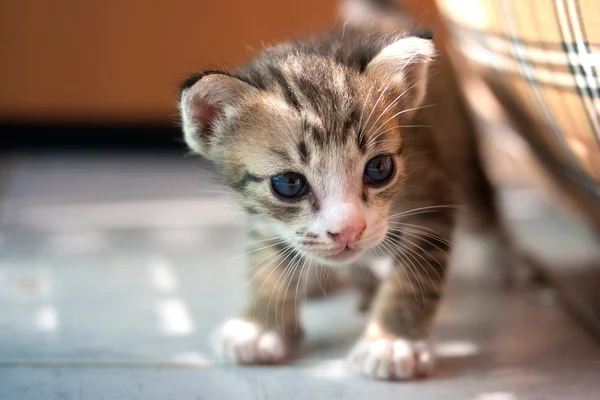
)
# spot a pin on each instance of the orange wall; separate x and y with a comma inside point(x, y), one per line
point(122, 60)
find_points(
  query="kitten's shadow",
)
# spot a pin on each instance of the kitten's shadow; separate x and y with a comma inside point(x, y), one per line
point(333, 343)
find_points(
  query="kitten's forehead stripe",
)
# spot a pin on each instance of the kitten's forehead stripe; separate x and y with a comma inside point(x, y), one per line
point(317, 136)
point(303, 150)
point(317, 95)
point(327, 98)
point(320, 79)
point(255, 77)
point(288, 94)
point(349, 122)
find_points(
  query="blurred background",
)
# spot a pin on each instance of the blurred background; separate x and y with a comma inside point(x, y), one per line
point(68, 65)
point(119, 254)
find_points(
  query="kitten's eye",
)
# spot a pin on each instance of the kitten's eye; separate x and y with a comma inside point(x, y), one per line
point(290, 185)
point(379, 169)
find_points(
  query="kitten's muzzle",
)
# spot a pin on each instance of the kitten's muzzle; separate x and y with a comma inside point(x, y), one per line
point(350, 234)
point(345, 254)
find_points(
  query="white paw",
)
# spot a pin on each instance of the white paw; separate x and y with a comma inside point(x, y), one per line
point(391, 359)
point(246, 342)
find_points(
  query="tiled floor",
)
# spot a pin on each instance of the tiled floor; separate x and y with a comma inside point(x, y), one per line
point(114, 270)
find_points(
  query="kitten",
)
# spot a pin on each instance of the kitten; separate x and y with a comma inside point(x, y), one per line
point(328, 145)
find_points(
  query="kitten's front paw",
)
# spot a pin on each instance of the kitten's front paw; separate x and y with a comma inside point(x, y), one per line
point(246, 342)
point(391, 359)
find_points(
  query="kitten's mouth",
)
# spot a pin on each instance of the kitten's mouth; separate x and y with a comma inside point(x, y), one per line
point(344, 255)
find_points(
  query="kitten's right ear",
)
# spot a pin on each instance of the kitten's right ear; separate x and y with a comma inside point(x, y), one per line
point(405, 63)
point(207, 101)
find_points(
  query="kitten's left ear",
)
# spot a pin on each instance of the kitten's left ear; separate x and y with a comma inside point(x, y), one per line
point(405, 63)
point(207, 102)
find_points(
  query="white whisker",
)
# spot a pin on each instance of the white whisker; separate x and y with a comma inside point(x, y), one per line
point(414, 274)
point(397, 98)
point(297, 286)
point(412, 253)
point(227, 192)
point(372, 111)
point(280, 253)
point(259, 249)
point(375, 142)
point(271, 254)
point(407, 248)
point(289, 276)
point(394, 102)
point(425, 240)
point(246, 244)
point(421, 230)
point(394, 254)
point(362, 110)
point(398, 114)
point(426, 209)
point(310, 260)
point(289, 133)
point(290, 250)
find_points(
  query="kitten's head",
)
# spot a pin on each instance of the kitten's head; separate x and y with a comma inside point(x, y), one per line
point(312, 146)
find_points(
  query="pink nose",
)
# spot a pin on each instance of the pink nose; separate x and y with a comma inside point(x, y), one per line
point(350, 234)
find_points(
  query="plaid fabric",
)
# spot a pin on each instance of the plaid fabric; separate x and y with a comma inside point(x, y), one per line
point(545, 55)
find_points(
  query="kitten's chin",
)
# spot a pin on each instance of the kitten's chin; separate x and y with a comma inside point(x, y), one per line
point(344, 257)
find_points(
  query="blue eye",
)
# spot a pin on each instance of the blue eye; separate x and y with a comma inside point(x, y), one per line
point(379, 169)
point(289, 185)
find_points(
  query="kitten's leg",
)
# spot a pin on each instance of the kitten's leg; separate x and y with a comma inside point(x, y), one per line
point(269, 329)
point(362, 278)
point(393, 346)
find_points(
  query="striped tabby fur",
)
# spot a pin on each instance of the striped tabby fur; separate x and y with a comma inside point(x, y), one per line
point(324, 109)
